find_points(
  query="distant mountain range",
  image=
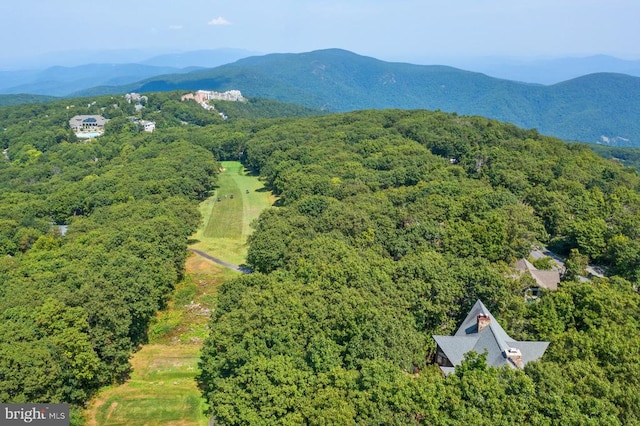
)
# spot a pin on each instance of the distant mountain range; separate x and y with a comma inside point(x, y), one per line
point(156, 57)
point(61, 81)
point(595, 108)
point(64, 80)
point(199, 58)
point(65, 73)
point(547, 71)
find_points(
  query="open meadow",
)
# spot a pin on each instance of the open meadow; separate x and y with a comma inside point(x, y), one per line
point(227, 215)
point(161, 390)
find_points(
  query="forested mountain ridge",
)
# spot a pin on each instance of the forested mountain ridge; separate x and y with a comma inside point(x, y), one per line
point(598, 108)
point(8, 100)
point(391, 225)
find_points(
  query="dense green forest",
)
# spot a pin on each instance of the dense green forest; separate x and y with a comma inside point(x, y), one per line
point(8, 100)
point(76, 299)
point(93, 233)
point(390, 225)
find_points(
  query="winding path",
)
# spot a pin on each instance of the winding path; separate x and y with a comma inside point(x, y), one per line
point(221, 262)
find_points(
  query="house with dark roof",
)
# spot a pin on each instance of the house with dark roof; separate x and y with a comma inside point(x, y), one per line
point(480, 332)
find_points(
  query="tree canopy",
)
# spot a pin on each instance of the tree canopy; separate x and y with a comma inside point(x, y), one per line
point(390, 225)
point(92, 239)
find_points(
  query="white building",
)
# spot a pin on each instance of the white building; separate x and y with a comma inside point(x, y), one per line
point(206, 95)
point(81, 123)
point(147, 126)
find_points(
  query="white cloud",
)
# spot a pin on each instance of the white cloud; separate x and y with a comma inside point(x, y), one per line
point(219, 21)
point(175, 27)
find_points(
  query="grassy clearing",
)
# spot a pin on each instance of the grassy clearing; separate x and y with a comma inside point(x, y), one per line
point(225, 219)
point(227, 223)
point(161, 391)
point(185, 319)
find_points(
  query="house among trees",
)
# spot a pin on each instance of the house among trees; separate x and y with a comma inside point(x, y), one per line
point(480, 332)
point(543, 279)
point(147, 126)
point(135, 97)
point(87, 126)
point(87, 122)
point(139, 100)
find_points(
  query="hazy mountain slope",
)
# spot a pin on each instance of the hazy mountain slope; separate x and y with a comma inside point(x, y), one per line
point(77, 57)
point(65, 80)
point(593, 108)
point(199, 58)
point(61, 81)
point(8, 100)
point(546, 71)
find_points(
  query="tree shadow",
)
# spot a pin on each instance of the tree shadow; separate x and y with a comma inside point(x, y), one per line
point(250, 172)
point(245, 269)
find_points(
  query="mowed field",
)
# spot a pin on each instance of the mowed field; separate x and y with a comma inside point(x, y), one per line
point(227, 223)
point(161, 391)
point(162, 388)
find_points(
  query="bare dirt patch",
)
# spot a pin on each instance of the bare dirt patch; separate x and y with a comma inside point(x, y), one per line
point(196, 265)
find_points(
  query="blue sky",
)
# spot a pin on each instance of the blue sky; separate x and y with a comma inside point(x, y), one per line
point(392, 30)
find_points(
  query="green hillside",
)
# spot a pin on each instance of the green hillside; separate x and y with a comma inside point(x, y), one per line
point(389, 226)
point(9, 100)
point(93, 233)
point(584, 109)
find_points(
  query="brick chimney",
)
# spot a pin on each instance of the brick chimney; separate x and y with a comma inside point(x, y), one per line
point(514, 356)
point(483, 321)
